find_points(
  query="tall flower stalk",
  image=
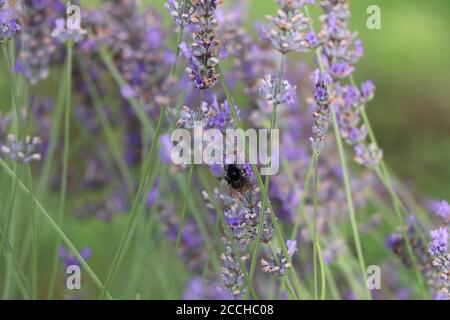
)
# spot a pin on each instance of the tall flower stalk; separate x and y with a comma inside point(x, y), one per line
point(68, 37)
point(203, 56)
point(326, 55)
point(52, 223)
point(339, 52)
point(290, 33)
point(146, 172)
point(8, 28)
point(321, 118)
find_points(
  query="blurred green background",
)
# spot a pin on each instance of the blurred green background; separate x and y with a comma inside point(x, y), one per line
point(408, 60)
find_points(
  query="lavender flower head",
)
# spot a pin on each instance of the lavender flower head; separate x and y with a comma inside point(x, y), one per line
point(339, 52)
point(8, 23)
point(203, 53)
point(439, 243)
point(438, 249)
point(278, 264)
point(22, 151)
point(69, 259)
point(442, 209)
point(37, 46)
point(290, 32)
point(268, 90)
point(321, 114)
point(181, 13)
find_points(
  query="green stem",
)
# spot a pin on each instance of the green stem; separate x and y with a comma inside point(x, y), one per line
point(228, 234)
point(9, 231)
point(385, 178)
point(108, 131)
point(260, 183)
point(182, 221)
point(17, 107)
point(267, 178)
point(309, 175)
point(146, 171)
point(345, 176)
point(65, 162)
point(21, 136)
point(54, 138)
point(56, 228)
point(22, 276)
point(405, 234)
point(323, 274)
point(134, 210)
point(316, 179)
point(349, 197)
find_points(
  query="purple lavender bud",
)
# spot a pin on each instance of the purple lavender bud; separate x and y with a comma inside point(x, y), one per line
point(369, 156)
point(221, 117)
point(165, 148)
point(276, 265)
point(294, 4)
point(340, 49)
point(199, 289)
point(204, 52)
point(438, 249)
point(442, 209)
point(439, 241)
point(291, 28)
point(181, 16)
point(284, 94)
point(153, 194)
point(189, 117)
point(8, 24)
point(291, 247)
point(37, 48)
point(127, 92)
point(22, 151)
point(69, 259)
point(321, 113)
point(368, 91)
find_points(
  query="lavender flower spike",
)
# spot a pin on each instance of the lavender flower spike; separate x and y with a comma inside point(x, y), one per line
point(8, 24)
point(37, 46)
point(204, 52)
point(442, 209)
point(22, 151)
point(180, 16)
point(268, 91)
point(321, 114)
point(340, 52)
point(439, 251)
point(68, 258)
point(278, 265)
point(291, 28)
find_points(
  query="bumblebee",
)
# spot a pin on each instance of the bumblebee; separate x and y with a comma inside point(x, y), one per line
point(236, 177)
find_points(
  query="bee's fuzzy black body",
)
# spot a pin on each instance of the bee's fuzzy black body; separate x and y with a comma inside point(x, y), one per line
point(236, 177)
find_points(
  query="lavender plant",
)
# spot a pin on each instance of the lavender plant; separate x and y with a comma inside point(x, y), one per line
point(100, 147)
point(438, 249)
